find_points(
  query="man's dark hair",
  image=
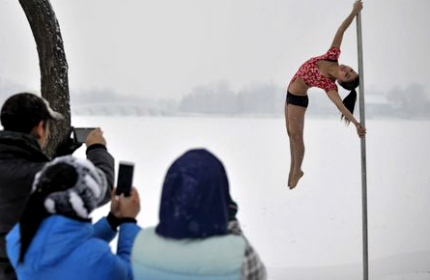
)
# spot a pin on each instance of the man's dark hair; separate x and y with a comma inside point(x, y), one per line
point(23, 111)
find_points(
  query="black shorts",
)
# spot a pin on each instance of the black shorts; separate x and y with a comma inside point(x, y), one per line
point(302, 101)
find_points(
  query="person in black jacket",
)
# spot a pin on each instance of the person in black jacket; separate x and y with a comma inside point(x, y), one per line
point(26, 119)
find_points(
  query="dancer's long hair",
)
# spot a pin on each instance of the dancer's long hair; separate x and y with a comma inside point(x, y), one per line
point(351, 98)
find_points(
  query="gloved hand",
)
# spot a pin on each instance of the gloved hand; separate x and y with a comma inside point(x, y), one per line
point(68, 145)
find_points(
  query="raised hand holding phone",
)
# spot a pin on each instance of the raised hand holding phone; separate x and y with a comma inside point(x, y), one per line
point(125, 207)
point(94, 137)
point(129, 207)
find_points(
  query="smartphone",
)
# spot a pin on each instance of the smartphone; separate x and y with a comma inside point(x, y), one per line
point(81, 133)
point(125, 178)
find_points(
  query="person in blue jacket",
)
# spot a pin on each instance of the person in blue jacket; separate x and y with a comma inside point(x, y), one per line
point(198, 236)
point(55, 238)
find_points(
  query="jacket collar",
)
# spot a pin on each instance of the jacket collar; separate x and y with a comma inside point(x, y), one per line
point(16, 144)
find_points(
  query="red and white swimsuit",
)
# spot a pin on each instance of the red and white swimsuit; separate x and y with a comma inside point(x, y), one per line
point(310, 74)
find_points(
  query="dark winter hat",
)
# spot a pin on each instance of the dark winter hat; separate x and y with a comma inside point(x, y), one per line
point(67, 186)
point(80, 197)
point(194, 197)
point(23, 111)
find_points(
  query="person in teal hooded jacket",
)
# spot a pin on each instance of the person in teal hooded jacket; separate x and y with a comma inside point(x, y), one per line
point(55, 238)
point(198, 236)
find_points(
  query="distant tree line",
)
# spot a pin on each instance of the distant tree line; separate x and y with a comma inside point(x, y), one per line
point(411, 101)
point(221, 99)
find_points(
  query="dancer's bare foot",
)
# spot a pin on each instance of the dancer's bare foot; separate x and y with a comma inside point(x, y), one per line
point(295, 177)
point(289, 179)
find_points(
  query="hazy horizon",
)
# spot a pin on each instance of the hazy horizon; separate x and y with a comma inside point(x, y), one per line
point(165, 49)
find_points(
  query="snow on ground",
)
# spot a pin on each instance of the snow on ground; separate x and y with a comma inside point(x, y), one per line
point(413, 266)
point(409, 276)
point(314, 231)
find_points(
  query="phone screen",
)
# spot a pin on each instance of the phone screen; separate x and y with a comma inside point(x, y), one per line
point(81, 133)
point(125, 178)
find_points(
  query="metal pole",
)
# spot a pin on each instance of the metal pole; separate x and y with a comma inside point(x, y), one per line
point(363, 151)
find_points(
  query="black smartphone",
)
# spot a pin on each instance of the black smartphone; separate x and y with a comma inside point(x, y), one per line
point(125, 178)
point(81, 133)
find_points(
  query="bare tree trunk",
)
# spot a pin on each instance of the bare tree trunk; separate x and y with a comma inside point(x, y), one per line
point(53, 64)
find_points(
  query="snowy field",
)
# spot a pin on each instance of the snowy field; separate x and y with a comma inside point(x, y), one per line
point(314, 231)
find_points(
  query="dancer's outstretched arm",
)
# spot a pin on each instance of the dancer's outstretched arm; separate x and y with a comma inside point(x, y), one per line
point(335, 98)
point(337, 41)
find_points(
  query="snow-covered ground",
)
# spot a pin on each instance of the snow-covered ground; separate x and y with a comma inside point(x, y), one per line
point(314, 231)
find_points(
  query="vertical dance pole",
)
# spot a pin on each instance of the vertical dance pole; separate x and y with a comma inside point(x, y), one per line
point(363, 152)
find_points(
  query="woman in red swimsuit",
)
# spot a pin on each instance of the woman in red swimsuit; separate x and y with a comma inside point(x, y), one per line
point(322, 72)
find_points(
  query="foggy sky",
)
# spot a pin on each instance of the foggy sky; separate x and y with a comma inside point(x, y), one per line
point(165, 48)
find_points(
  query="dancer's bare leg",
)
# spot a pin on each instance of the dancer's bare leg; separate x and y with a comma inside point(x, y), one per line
point(287, 123)
point(296, 119)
